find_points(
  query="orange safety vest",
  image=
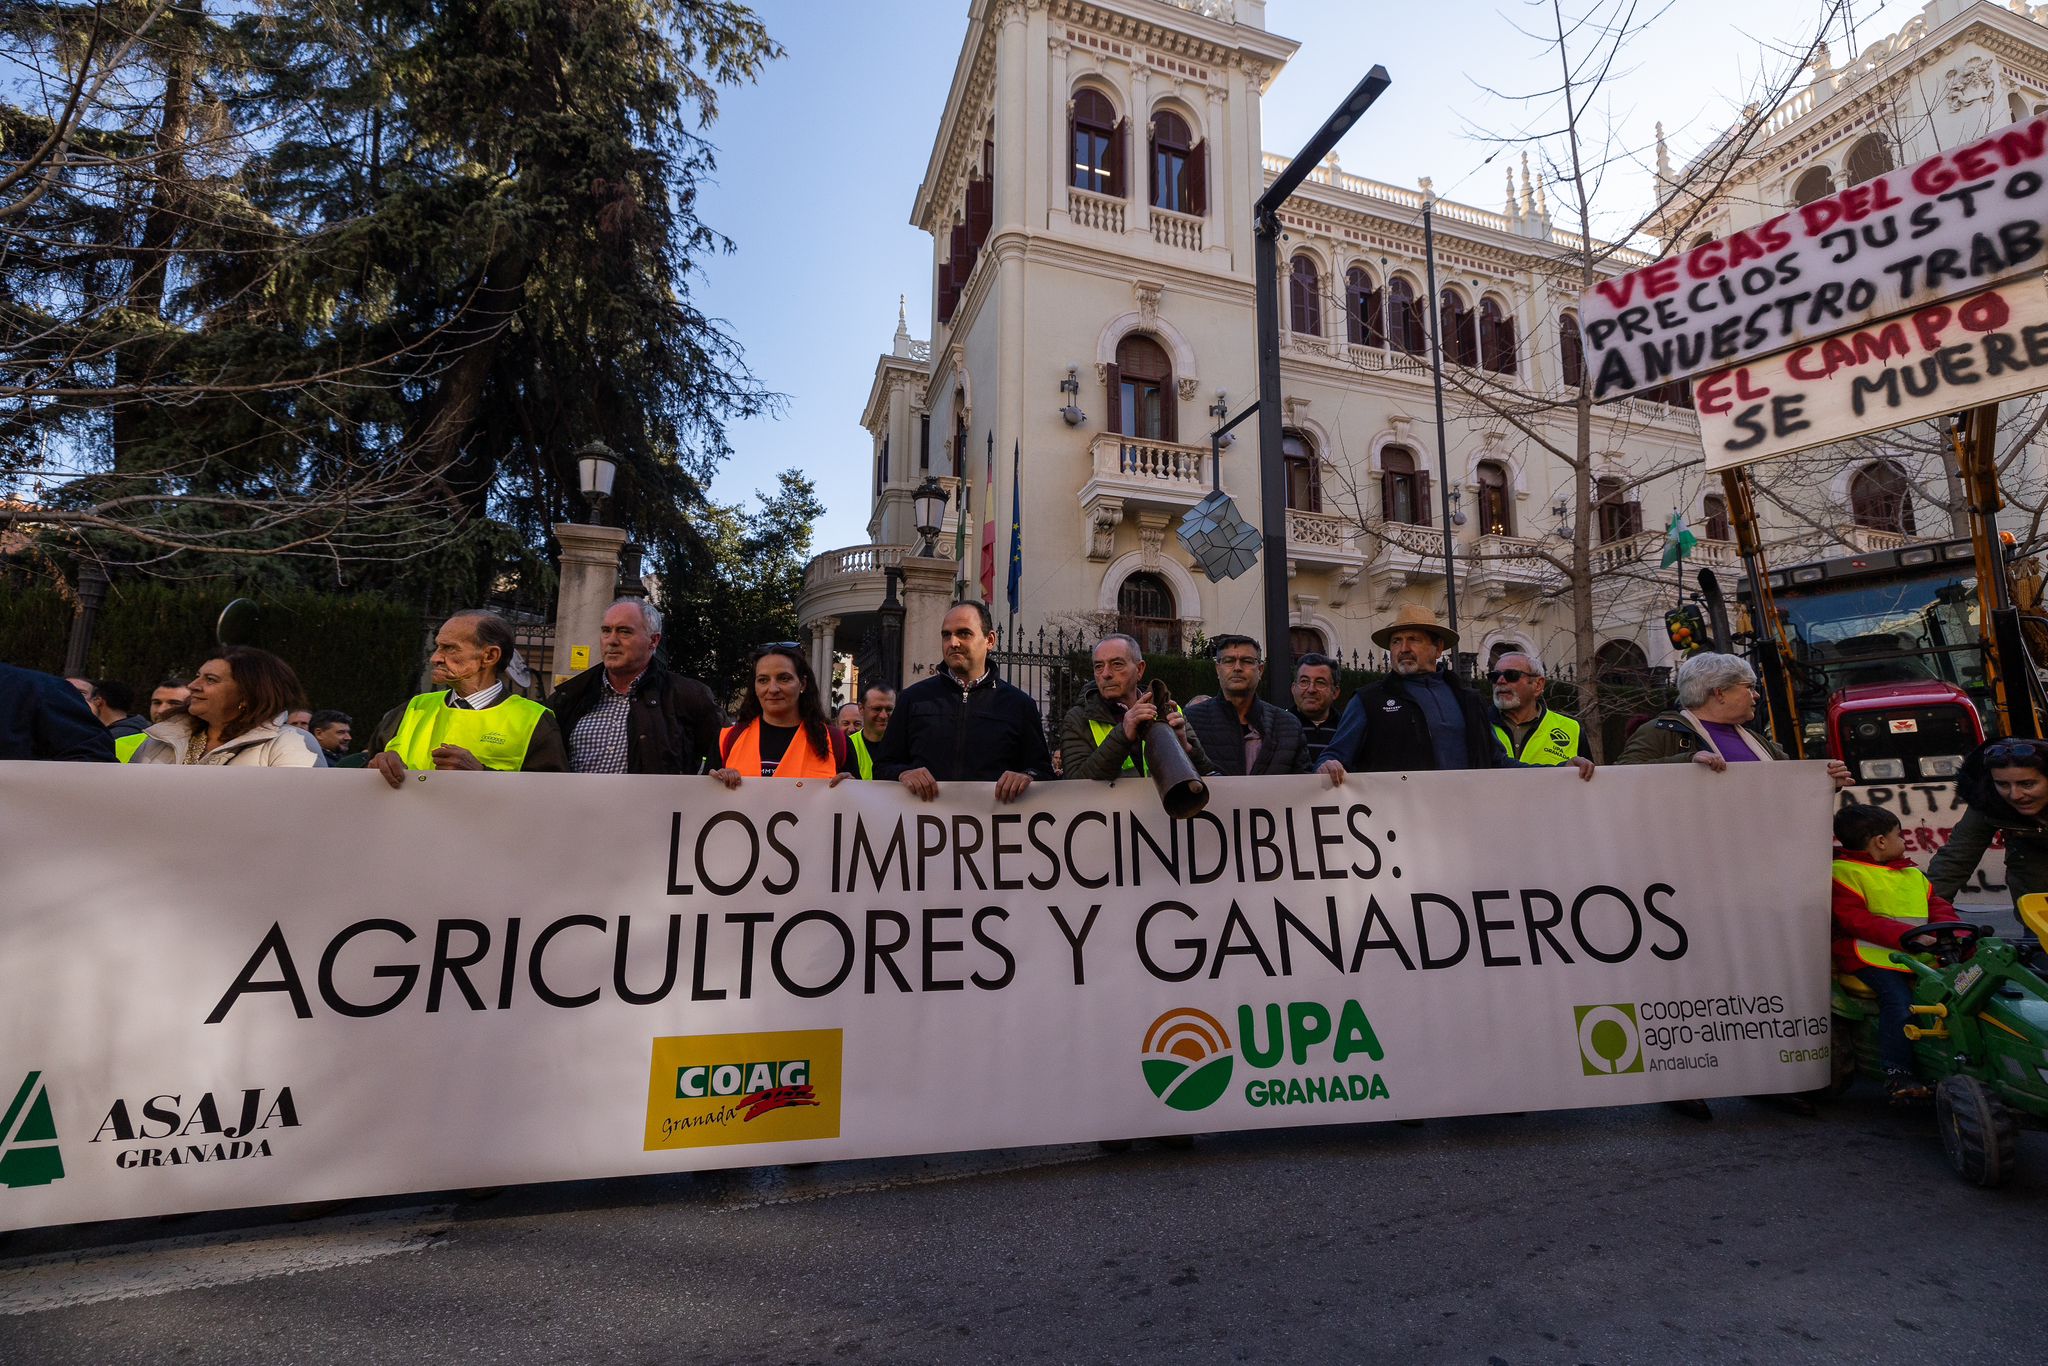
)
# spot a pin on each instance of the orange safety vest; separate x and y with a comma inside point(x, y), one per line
point(743, 753)
point(1895, 893)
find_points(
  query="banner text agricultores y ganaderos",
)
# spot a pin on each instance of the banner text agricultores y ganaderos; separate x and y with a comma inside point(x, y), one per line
point(537, 977)
point(1957, 222)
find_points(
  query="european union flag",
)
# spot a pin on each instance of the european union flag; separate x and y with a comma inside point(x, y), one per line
point(1016, 524)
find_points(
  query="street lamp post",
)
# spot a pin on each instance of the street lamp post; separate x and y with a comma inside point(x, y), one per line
point(596, 466)
point(1272, 469)
point(928, 502)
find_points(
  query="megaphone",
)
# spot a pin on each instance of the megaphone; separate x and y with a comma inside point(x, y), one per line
point(1181, 789)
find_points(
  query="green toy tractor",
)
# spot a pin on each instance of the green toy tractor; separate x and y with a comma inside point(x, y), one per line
point(1979, 1032)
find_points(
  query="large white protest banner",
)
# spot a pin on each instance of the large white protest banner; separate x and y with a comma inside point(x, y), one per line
point(235, 988)
point(1956, 223)
point(1936, 360)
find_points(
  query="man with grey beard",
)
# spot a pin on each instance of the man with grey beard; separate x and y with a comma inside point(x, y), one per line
point(1530, 731)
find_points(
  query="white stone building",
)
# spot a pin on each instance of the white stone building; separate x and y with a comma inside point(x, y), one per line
point(1089, 198)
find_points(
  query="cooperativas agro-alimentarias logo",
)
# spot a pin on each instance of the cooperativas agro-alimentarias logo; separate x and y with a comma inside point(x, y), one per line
point(1188, 1059)
point(1609, 1040)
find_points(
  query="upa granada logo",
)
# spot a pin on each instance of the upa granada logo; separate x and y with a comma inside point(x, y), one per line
point(1297, 1054)
point(1609, 1041)
point(709, 1089)
point(28, 1137)
point(1188, 1059)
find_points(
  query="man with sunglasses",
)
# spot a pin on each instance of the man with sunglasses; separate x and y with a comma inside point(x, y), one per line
point(1529, 731)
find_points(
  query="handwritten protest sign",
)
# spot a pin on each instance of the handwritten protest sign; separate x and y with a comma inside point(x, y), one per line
point(1938, 359)
point(1954, 224)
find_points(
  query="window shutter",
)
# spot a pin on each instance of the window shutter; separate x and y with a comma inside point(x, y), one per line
point(1315, 484)
point(1118, 141)
point(1198, 180)
point(1169, 410)
point(1422, 504)
point(1386, 495)
point(1507, 346)
point(1114, 422)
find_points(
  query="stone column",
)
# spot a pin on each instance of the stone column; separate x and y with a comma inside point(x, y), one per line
point(589, 582)
point(927, 591)
point(1138, 155)
point(821, 663)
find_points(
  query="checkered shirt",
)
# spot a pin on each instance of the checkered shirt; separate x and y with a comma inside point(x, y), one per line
point(598, 744)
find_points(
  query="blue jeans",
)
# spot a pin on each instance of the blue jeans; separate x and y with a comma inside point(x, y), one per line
point(1894, 994)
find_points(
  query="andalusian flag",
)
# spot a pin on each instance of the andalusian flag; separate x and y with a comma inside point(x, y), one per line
point(1678, 542)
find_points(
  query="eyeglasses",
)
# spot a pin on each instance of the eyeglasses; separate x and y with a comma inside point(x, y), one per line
point(2008, 751)
point(1750, 687)
point(1239, 661)
point(1508, 675)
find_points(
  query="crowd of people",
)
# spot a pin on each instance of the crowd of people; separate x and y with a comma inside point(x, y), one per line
point(244, 707)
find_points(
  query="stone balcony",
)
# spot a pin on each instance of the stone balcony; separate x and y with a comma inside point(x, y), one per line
point(1322, 540)
point(1499, 567)
point(1146, 480)
point(1404, 553)
point(851, 580)
point(1866, 540)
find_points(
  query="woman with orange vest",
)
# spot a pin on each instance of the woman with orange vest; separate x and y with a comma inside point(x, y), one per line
point(1878, 896)
point(781, 731)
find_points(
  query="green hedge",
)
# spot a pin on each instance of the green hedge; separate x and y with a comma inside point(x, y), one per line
point(359, 654)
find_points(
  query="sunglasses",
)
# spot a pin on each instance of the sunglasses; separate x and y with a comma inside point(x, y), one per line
point(779, 645)
point(2007, 751)
point(1508, 675)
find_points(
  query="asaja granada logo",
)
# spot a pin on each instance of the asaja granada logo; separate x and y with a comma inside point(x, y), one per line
point(1609, 1041)
point(1188, 1059)
point(28, 1137)
point(709, 1089)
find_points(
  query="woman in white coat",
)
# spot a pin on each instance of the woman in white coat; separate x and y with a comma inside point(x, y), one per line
point(233, 717)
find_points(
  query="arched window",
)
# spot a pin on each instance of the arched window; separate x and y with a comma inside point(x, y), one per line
point(1496, 507)
point(1571, 351)
point(1306, 640)
point(1178, 170)
point(1304, 473)
point(1305, 297)
point(1868, 158)
point(1363, 325)
point(1702, 239)
point(1496, 337)
point(1404, 317)
point(1097, 144)
point(1815, 184)
point(1145, 611)
point(1404, 488)
point(1620, 516)
point(1141, 397)
point(1715, 508)
point(1881, 498)
point(1458, 329)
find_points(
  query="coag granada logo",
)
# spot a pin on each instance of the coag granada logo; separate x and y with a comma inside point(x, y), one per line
point(1188, 1059)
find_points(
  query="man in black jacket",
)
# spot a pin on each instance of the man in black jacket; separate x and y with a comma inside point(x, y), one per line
point(42, 717)
point(964, 724)
point(1241, 732)
point(628, 714)
point(1417, 718)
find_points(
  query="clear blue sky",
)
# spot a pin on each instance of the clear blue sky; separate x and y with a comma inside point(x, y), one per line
point(819, 163)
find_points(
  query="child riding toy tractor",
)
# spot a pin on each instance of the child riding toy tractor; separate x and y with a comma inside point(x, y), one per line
point(1979, 1032)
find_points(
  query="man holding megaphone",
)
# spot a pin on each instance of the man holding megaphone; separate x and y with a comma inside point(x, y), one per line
point(1102, 736)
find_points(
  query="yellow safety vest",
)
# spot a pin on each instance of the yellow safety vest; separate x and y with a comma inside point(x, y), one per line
point(1895, 893)
point(1100, 730)
point(126, 745)
point(863, 762)
point(1555, 739)
point(497, 736)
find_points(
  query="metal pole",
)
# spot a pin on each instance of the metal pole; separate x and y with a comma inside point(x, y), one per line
point(92, 591)
point(1436, 366)
point(1272, 469)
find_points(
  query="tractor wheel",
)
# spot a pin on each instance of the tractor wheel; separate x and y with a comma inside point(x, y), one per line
point(1841, 1056)
point(1977, 1132)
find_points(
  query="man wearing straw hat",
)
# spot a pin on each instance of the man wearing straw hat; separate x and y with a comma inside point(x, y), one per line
point(1417, 718)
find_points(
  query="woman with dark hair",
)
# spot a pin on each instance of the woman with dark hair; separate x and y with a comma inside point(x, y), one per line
point(781, 731)
point(2004, 788)
point(234, 717)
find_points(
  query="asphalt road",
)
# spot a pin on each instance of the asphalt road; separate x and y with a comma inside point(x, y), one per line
point(1596, 1235)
